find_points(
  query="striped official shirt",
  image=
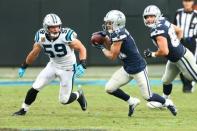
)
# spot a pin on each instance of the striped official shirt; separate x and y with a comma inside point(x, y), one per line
point(188, 22)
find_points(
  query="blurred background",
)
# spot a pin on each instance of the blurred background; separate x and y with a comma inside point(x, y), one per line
point(21, 19)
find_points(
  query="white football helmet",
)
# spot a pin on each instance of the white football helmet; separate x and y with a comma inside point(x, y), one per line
point(51, 20)
point(152, 10)
point(117, 20)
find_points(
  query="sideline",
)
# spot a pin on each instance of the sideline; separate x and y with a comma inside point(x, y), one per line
point(100, 82)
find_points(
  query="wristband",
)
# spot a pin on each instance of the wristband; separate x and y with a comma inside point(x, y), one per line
point(24, 65)
point(153, 54)
point(83, 63)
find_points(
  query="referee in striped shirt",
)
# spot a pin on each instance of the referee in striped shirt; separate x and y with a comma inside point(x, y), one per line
point(186, 18)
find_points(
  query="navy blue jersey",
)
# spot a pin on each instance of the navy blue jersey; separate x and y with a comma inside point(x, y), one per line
point(129, 54)
point(165, 28)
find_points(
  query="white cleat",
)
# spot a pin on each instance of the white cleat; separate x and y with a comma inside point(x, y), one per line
point(132, 107)
point(169, 104)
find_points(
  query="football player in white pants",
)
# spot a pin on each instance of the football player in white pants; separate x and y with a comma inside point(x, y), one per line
point(166, 37)
point(59, 44)
point(119, 42)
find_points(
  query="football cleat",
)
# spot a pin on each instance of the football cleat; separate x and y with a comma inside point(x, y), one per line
point(133, 106)
point(155, 105)
point(21, 112)
point(82, 100)
point(172, 109)
point(169, 104)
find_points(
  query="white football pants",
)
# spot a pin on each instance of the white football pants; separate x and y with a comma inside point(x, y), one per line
point(49, 73)
point(121, 78)
point(186, 65)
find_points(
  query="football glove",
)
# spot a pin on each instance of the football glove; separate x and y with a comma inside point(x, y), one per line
point(148, 53)
point(21, 72)
point(80, 69)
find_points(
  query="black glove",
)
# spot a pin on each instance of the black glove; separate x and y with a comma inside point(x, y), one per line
point(148, 53)
point(83, 63)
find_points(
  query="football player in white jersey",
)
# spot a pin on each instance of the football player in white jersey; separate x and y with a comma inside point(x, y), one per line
point(59, 44)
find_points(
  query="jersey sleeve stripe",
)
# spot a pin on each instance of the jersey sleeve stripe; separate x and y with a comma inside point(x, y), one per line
point(68, 35)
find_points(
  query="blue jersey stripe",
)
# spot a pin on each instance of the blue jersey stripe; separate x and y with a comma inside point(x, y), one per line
point(68, 35)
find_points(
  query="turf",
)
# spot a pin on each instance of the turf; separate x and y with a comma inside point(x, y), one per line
point(104, 111)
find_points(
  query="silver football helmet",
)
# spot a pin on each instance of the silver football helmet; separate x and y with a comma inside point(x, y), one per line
point(114, 20)
point(51, 20)
point(152, 10)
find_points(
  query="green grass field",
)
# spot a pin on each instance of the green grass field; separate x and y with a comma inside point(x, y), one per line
point(104, 112)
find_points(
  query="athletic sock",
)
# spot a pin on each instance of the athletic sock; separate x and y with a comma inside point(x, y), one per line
point(120, 94)
point(72, 98)
point(31, 96)
point(167, 89)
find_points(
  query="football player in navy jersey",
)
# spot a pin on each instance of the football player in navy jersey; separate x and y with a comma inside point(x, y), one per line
point(166, 37)
point(119, 43)
point(59, 44)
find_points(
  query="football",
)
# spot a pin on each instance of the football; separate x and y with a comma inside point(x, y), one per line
point(97, 39)
point(154, 105)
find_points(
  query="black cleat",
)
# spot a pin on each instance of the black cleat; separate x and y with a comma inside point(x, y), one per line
point(172, 109)
point(82, 100)
point(21, 112)
point(132, 107)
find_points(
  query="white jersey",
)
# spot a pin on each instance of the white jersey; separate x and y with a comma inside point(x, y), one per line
point(59, 51)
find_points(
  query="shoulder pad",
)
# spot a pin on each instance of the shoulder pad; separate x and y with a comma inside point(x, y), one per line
point(39, 33)
point(157, 32)
point(119, 35)
point(69, 34)
point(42, 31)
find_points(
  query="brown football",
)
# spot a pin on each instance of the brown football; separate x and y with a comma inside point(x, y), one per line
point(97, 39)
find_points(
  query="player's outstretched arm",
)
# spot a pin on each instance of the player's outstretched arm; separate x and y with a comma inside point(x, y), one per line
point(114, 51)
point(29, 59)
point(33, 54)
point(78, 46)
point(162, 48)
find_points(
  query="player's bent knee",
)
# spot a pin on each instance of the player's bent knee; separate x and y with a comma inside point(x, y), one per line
point(63, 100)
point(108, 88)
